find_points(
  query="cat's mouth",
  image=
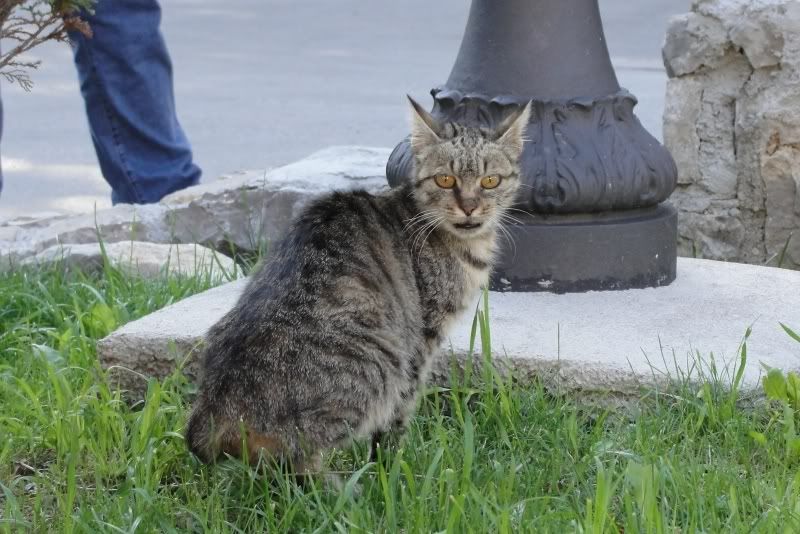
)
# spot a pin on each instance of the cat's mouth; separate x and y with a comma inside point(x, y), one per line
point(467, 225)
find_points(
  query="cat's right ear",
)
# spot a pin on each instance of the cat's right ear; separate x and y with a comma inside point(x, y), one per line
point(424, 128)
point(511, 132)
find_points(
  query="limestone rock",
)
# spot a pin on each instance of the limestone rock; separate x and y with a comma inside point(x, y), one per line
point(254, 208)
point(693, 41)
point(240, 213)
point(149, 260)
point(760, 40)
point(36, 219)
point(121, 223)
point(732, 121)
point(597, 342)
point(681, 109)
point(8, 233)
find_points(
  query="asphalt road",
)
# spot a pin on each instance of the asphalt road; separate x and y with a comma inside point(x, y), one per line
point(260, 83)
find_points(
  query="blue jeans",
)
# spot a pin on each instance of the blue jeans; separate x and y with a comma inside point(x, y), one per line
point(125, 76)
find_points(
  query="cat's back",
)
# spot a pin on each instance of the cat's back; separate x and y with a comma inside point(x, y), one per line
point(344, 258)
point(337, 235)
point(341, 284)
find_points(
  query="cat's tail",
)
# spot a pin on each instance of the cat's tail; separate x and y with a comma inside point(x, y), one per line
point(209, 437)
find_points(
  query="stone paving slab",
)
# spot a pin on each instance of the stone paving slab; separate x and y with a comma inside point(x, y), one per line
point(595, 342)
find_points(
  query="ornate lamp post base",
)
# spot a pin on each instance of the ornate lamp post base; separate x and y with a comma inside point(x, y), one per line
point(594, 177)
point(590, 252)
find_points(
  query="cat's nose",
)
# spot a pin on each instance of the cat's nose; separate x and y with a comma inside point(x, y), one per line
point(469, 205)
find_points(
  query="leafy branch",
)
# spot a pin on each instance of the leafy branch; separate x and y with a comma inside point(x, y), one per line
point(29, 23)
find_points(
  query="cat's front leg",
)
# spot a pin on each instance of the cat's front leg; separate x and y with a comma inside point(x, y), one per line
point(381, 437)
point(377, 442)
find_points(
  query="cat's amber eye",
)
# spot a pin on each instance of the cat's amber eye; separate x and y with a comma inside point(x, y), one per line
point(490, 182)
point(445, 181)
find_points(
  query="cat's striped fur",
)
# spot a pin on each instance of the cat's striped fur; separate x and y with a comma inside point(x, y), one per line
point(333, 337)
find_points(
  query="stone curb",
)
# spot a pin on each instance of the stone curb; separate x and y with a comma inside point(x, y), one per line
point(611, 343)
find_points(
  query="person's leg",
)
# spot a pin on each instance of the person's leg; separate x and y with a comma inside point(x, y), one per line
point(125, 75)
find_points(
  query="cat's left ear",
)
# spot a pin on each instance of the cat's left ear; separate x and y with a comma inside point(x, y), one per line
point(424, 128)
point(511, 131)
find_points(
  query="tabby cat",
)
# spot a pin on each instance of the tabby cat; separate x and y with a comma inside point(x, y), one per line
point(334, 336)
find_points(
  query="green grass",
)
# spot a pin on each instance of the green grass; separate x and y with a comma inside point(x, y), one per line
point(483, 455)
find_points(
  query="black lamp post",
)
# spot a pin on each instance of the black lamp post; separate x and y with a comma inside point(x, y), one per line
point(595, 178)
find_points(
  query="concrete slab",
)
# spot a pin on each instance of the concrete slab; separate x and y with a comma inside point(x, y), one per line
point(616, 341)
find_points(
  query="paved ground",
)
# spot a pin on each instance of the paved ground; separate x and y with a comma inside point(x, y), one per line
point(262, 82)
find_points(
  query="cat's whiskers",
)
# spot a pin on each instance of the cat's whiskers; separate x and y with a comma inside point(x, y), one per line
point(423, 233)
point(521, 211)
point(419, 218)
point(421, 228)
point(435, 226)
point(421, 215)
point(418, 232)
point(510, 218)
point(508, 237)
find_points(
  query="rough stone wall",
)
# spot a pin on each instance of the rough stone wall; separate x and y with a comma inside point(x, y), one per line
point(732, 123)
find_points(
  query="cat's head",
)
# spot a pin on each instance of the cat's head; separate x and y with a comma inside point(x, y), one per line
point(466, 177)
